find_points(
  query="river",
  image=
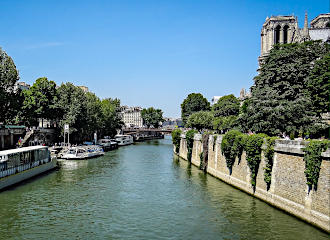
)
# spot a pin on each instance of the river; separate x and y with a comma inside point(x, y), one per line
point(140, 191)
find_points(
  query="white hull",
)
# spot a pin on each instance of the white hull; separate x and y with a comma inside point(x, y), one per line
point(124, 144)
point(124, 140)
point(21, 176)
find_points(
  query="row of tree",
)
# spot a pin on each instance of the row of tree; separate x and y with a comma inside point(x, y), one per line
point(65, 104)
point(290, 95)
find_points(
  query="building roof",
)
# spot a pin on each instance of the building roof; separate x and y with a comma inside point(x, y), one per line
point(323, 15)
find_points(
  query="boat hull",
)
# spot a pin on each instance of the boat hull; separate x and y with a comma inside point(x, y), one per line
point(21, 176)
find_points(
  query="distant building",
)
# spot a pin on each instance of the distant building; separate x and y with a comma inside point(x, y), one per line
point(244, 94)
point(215, 99)
point(85, 89)
point(171, 123)
point(131, 116)
point(284, 29)
point(22, 86)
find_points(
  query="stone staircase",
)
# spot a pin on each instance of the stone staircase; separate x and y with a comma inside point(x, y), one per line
point(27, 137)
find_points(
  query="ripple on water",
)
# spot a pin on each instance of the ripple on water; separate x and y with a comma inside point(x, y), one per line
point(140, 192)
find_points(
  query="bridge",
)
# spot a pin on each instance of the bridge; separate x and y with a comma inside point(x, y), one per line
point(130, 131)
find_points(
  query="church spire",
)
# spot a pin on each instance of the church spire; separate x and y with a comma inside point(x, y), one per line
point(305, 31)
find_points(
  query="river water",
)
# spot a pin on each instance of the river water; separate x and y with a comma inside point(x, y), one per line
point(140, 192)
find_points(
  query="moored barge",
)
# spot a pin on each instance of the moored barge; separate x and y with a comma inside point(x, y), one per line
point(17, 165)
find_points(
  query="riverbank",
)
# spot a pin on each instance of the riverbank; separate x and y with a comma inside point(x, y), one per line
point(288, 190)
point(140, 191)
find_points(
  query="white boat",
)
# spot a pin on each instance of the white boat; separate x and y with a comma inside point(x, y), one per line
point(17, 165)
point(123, 140)
point(83, 152)
point(107, 144)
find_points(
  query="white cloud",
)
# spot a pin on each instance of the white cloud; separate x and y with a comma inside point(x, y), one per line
point(44, 45)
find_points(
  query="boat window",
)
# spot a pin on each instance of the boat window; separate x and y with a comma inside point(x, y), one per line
point(43, 153)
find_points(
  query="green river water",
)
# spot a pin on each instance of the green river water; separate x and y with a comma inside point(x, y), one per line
point(140, 191)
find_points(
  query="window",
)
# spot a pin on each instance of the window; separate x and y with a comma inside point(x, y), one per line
point(277, 34)
point(285, 33)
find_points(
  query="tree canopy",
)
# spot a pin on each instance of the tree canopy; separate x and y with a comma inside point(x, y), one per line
point(39, 101)
point(195, 102)
point(318, 85)
point(200, 120)
point(225, 113)
point(226, 106)
point(9, 96)
point(152, 117)
point(111, 119)
point(280, 100)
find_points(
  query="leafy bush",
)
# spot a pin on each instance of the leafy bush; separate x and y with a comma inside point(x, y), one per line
point(252, 148)
point(230, 148)
point(200, 120)
point(269, 155)
point(313, 161)
point(190, 143)
point(201, 156)
point(176, 139)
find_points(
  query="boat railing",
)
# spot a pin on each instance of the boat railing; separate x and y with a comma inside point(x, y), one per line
point(7, 171)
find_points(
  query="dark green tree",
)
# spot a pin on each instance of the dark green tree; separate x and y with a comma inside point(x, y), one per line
point(152, 117)
point(200, 120)
point(225, 113)
point(226, 106)
point(9, 95)
point(72, 105)
point(94, 115)
point(280, 99)
point(318, 85)
point(195, 102)
point(111, 119)
point(39, 101)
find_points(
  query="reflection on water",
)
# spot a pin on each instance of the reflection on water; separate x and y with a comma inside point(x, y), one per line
point(140, 192)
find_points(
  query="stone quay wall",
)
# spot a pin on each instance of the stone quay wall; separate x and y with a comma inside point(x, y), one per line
point(288, 190)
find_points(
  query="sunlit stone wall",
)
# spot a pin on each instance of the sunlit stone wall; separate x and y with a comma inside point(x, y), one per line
point(288, 190)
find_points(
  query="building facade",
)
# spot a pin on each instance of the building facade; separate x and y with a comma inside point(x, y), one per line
point(215, 99)
point(284, 29)
point(131, 116)
point(22, 86)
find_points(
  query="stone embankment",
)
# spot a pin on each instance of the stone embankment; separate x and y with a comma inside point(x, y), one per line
point(288, 190)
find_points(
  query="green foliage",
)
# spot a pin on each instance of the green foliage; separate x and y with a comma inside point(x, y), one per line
point(224, 123)
point(73, 110)
point(176, 139)
point(195, 102)
point(313, 160)
point(201, 156)
point(9, 98)
point(280, 100)
point(291, 135)
point(231, 147)
point(152, 117)
point(269, 155)
point(214, 141)
point(318, 85)
point(225, 113)
point(39, 101)
point(200, 120)
point(190, 143)
point(252, 148)
point(94, 115)
point(226, 106)
point(111, 119)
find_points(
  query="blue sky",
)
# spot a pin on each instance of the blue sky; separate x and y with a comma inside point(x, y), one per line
point(146, 53)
